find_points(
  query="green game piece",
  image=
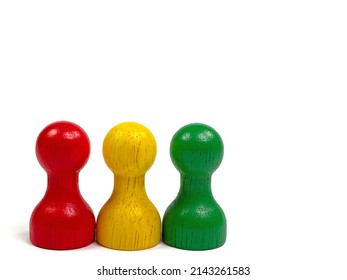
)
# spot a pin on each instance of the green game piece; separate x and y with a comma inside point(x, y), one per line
point(194, 220)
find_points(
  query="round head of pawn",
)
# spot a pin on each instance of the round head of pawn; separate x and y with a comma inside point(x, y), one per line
point(129, 149)
point(62, 147)
point(196, 149)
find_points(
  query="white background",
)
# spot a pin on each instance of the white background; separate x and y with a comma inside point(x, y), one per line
point(269, 76)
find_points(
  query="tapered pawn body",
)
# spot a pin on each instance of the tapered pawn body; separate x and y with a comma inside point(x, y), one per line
point(129, 220)
point(62, 220)
point(194, 220)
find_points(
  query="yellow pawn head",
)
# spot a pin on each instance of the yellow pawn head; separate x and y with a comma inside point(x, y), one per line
point(129, 149)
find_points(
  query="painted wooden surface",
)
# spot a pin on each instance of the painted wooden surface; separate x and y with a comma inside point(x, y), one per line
point(194, 220)
point(129, 220)
point(62, 219)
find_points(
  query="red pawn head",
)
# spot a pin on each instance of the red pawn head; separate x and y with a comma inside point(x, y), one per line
point(62, 219)
point(62, 148)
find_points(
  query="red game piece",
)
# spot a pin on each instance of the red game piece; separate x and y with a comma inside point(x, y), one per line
point(62, 219)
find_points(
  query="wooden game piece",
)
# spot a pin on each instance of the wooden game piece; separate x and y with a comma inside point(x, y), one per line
point(129, 220)
point(194, 220)
point(62, 220)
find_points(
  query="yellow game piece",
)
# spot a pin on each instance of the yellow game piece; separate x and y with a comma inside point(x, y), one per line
point(129, 220)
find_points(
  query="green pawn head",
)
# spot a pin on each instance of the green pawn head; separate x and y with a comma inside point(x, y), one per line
point(196, 149)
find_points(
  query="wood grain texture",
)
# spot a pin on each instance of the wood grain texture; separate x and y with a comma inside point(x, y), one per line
point(194, 220)
point(62, 219)
point(129, 220)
